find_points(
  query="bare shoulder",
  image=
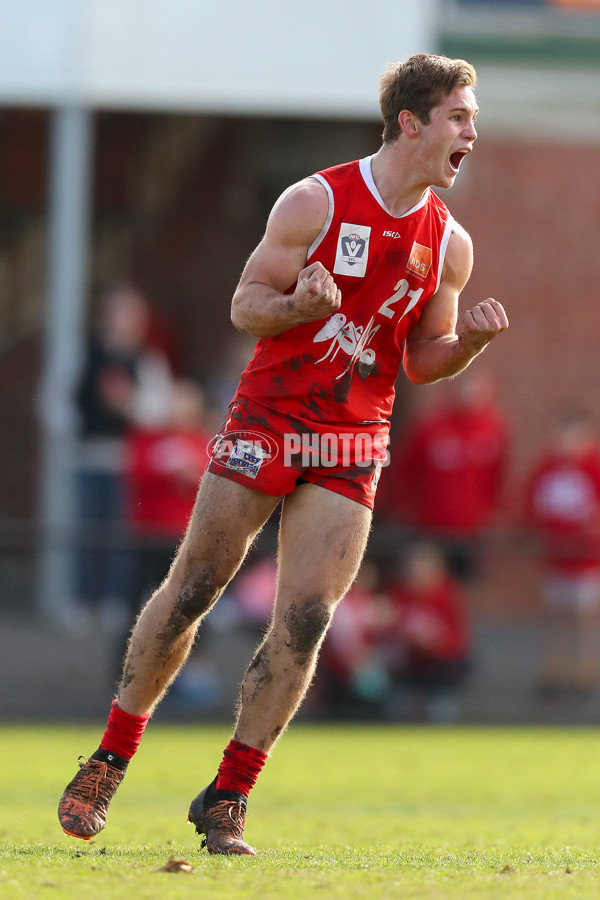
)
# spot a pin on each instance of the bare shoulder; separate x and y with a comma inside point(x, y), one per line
point(299, 213)
point(459, 256)
point(460, 239)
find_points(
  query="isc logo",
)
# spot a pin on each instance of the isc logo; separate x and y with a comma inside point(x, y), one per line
point(392, 234)
point(419, 260)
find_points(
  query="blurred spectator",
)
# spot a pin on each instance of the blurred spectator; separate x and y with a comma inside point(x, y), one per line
point(164, 466)
point(124, 381)
point(427, 648)
point(224, 378)
point(252, 591)
point(445, 478)
point(352, 679)
point(563, 507)
point(401, 652)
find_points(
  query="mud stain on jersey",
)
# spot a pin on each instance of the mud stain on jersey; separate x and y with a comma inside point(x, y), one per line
point(251, 418)
point(341, 388)
point(318, 404)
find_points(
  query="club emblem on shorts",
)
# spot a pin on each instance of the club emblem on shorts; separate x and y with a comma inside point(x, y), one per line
point(245, 452)
point(352, 250)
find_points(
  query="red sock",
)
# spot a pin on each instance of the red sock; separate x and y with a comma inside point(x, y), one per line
point(123, 732)
point(240, 767)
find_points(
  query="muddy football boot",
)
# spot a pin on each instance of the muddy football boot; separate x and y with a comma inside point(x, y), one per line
point(220, 816)
point(83, 806)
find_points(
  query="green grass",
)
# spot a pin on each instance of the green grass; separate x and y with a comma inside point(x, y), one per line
point(353, 812)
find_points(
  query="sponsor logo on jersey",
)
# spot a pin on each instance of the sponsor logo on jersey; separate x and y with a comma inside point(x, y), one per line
point(419, 260)
point(392, 234)
point(352, 250)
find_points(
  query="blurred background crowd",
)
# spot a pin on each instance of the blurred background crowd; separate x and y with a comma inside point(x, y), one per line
point(479, 599)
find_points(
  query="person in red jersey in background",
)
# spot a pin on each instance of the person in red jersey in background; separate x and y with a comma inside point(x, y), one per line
point(353, 679)
point(428, 646)
point(125, 381)
point(448, 471)
point(358, 273)
point(164, 465)
point(563, 508)
point(398, 647)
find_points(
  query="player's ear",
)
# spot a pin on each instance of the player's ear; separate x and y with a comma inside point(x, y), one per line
point(409, 123)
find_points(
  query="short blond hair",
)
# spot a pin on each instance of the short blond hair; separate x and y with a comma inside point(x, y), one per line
point(419, 84)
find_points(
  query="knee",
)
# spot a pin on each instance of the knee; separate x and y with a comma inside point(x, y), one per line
point(199, 590)
point(307, 624)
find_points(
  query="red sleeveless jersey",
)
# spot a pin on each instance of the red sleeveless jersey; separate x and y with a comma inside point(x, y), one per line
point(342, 370)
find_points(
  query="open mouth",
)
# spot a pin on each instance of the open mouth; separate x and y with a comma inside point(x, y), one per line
point(456, 159)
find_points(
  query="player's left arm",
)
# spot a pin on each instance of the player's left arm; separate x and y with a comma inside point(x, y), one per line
point(441, 345)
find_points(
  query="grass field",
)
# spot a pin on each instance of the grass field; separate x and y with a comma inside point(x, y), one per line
point(354, 812)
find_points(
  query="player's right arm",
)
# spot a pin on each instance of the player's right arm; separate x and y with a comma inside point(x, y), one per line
point(260, 305)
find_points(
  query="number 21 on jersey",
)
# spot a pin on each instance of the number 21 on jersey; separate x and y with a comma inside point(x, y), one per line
point(400, 291)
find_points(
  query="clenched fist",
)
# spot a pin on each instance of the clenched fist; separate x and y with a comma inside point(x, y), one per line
point(482, 323)
point(317, 295)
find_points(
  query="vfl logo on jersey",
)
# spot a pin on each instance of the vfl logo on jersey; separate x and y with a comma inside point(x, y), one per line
point(419, 260)
point(352, 250)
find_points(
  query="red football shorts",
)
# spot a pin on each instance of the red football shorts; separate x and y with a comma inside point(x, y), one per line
point(273, 453)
